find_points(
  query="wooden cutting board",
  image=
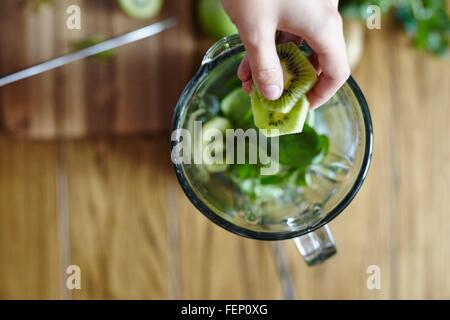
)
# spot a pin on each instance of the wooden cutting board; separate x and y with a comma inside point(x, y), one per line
point(134, 92)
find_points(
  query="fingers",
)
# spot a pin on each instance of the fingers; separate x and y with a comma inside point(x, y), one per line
point(335, 72)
point(329, 46)
point(284, 37)
point(314, 59)
point(321, 28)
point(325, 89)
point(245, 72)
point(262, 59)
point(247, 86)
point(245, 75)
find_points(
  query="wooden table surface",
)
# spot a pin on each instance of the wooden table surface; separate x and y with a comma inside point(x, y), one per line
point(127, 94)
point(114, 208)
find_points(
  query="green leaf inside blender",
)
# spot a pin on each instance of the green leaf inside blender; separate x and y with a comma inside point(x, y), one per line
point(297, 152)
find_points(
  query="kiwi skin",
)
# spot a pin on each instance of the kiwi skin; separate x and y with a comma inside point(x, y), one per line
point(299, 75)
point(148, 9)
point(273, 123)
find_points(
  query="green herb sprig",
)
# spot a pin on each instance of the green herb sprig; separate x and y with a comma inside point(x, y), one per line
point(426, 22)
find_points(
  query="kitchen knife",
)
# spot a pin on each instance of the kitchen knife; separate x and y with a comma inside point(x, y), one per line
point(106, 45)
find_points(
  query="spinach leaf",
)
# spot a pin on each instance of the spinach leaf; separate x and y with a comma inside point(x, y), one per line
point(246, 171)
point(296, 153)
point(299, 150)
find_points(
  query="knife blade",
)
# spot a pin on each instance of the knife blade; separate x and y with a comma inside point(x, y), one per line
point(106, 45)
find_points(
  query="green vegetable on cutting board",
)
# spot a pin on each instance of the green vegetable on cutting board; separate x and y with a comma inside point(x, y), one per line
point(93, 40)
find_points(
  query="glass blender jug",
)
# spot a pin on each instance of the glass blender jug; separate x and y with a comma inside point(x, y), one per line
point(333, 181)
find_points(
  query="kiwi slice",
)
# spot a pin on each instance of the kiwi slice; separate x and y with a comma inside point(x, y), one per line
point(236, 107)
point(216, 168)
point(273, 123)
point(221, 124)
point(208, 155)
point(299, 77)
point(311, 118)
point(141, 9)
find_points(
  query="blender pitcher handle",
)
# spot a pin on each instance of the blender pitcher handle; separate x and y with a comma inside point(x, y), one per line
point(316, 246)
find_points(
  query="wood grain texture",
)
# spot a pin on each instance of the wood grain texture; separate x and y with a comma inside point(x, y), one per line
point(420, 139)
point(399, 220)
point(133, 93)
point(215, 264)
point(119, 200)
point(135, 235)
point(29, 239)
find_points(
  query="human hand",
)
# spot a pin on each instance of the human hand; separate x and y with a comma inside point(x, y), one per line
point(318, 22)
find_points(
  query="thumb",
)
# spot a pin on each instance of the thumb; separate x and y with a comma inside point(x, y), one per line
point(265, 65)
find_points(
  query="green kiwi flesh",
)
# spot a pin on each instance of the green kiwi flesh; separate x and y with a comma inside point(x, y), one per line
point(299, 77)
point(221, 124)
point(236, 107)
point(272, 123)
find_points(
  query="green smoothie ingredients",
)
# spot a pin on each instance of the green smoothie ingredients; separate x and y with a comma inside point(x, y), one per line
point(288, 138)
point(287, 114)
point(297, 152)
point(273, 123)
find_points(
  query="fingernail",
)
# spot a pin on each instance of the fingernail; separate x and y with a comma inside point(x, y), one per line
point(271, 92)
